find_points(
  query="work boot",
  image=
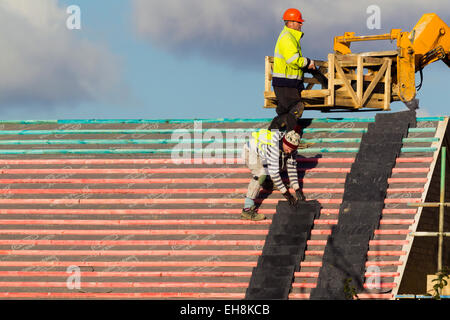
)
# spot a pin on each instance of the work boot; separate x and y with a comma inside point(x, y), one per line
point(252, 214)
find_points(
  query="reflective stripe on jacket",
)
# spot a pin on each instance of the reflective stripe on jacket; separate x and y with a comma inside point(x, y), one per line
point(288, 59)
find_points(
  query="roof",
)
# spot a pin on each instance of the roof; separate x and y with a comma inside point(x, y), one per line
point(133, 208)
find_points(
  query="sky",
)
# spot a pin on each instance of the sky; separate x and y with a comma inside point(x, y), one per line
point(172, 59)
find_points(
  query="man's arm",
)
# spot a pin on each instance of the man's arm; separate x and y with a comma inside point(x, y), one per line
point(292, 171)
point(293, 176)
point(273, 168)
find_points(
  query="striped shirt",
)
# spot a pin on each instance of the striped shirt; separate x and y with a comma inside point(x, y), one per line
point(275, 160)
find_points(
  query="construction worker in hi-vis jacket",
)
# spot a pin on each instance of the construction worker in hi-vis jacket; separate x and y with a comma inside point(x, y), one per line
point(267, 154)
point(288, 68)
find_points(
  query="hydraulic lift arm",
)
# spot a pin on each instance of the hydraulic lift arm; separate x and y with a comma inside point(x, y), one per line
point(428, 42)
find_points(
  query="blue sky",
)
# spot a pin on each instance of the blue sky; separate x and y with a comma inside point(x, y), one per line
point(183, 58)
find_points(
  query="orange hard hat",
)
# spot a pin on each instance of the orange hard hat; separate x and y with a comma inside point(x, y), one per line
point(292, 14)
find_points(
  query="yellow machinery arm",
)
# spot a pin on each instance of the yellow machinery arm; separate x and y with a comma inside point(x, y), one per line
point(428, 42)
point(431, 41)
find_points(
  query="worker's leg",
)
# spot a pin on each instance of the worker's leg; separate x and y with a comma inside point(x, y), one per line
point(289, 109)
point(286, 98)
point(254, 163)
point(289, 100)
point(281, 122)
point(297, 110)
point(286, 121)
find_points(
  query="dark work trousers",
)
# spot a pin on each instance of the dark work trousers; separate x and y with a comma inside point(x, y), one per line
point(289, 108)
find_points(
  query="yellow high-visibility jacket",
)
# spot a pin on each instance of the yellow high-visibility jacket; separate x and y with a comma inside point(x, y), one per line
point(288, 59)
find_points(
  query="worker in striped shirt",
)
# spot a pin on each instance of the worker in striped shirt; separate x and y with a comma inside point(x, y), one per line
point(267, 154)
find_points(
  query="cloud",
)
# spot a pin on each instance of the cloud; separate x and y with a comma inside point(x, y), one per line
point(43, 63)
point(241, 32)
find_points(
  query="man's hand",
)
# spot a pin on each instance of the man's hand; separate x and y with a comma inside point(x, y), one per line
point(300, 195)
point(312, 65)
point(291, 200)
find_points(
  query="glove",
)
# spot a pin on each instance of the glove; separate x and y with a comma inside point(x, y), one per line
point(300, 195)
point(291, 200)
